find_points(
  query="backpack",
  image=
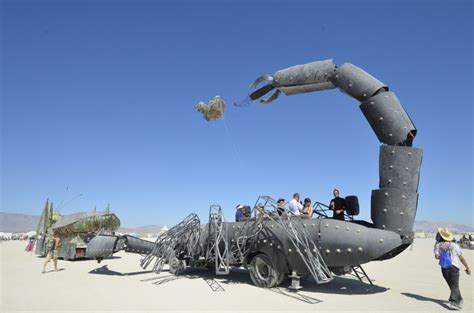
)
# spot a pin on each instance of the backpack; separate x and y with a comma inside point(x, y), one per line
point(445, 259)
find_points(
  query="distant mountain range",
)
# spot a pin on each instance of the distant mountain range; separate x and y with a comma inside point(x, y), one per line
point(432, 227)
point(18, 223)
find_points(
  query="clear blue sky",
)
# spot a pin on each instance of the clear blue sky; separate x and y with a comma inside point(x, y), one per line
point(99, 96)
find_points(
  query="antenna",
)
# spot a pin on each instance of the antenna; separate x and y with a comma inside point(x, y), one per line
point(65, 204)
point(62, 200)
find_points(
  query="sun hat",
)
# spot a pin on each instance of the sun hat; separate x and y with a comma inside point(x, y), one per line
point(445, 234)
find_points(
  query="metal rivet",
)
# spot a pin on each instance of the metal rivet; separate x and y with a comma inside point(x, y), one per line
point(381, 118)
point(347, 229)
point(327, 251)
point(258, 241)
point(390, 135)
point(327, 225)
point(389, 181)
point(401, 213)
point(264, 240)
point(403, 197)
point(350, 85)
point(289, 250)
point(385, 210)
point(349, 250)
point(386, 194)
point(304, 225)
point(358, 230)
point(337, 226)
point(399, 230)
point(365, 95)
point(312, 225)
point(383, 226)
point(271, 244)
point(381, 240)
point(404, 183)
point(338, 250)
point(372, 102)
point(278, 247)
point(391, 166)
point(314, 250)
point(409, 153)
point(393, 152)
point(406, 168)
point(359, 249)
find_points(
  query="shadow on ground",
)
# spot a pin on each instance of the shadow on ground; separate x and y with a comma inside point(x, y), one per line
point(82, 259)
point(443, 303)
point(340, 285)
point(104, 270)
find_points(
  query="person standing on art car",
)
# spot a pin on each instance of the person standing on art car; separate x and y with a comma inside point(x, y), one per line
point(240, 213)
point(281, 210)
point(294, 206)
point(307, 209)
point(449, 255)
point(338, 205)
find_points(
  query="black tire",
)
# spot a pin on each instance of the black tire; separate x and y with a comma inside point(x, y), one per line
point(263, 273)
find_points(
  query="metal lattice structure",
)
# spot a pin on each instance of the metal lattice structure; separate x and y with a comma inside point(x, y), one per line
point(181, 241)
point(217, 244)
point(266, 208)
point(241, 247)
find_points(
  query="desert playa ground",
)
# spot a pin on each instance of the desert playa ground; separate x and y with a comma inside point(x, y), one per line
point(411, 282)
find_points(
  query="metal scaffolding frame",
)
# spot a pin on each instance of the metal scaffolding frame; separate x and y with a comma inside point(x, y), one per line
point(181, 242)
point(266, 209)
point(217, 244)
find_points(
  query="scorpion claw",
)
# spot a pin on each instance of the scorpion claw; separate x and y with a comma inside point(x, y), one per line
point(263, 90)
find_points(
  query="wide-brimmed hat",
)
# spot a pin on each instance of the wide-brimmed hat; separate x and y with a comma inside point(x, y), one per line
point(445, 234)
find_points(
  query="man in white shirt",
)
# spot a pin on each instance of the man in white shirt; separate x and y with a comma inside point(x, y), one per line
point(294, 206)
point(449, 255)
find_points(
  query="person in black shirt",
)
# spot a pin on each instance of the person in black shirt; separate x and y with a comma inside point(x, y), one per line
point(338, 205)
point(281, 207)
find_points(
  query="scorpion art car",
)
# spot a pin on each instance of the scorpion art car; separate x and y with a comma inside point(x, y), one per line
point(272, 246)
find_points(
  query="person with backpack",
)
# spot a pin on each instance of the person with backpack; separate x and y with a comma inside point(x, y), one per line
point(449, 255)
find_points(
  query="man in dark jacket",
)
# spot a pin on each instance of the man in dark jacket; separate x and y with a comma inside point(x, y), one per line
point(338, 205)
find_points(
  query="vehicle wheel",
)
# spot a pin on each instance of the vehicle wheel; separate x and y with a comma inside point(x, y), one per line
point(177, 266)
point(263, 273)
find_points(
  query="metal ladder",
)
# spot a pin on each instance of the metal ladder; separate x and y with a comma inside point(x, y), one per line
point(361, 274)
point(217, 245)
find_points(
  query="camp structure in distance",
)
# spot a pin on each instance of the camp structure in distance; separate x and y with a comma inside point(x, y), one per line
point(75, 230)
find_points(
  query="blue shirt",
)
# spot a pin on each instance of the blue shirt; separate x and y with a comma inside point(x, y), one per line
point(239, 216)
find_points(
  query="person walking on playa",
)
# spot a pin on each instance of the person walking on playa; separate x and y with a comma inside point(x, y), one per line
point(53, 245)
point(449, 254)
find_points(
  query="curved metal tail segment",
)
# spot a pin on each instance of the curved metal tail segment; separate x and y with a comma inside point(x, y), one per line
point(394, 204)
